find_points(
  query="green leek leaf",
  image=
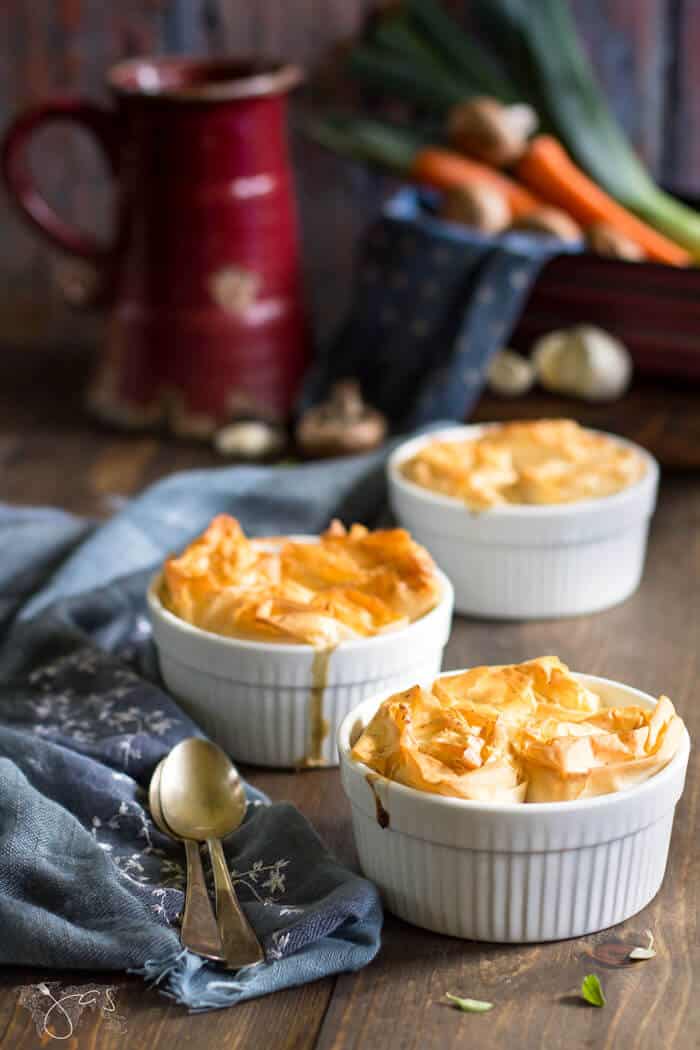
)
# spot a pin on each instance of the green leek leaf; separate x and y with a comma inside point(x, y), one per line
point(469, 1006)
point(592, 990)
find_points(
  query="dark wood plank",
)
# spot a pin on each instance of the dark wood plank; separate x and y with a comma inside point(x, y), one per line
point(51, 452)
point(285, 1020)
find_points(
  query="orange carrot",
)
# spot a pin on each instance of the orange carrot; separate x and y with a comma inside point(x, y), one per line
point(443, 170)
point(548, 170)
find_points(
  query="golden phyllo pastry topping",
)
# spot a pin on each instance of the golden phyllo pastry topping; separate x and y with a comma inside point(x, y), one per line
point(522, 733)
point(541, 462)
point(344, 585)
point(418, 740)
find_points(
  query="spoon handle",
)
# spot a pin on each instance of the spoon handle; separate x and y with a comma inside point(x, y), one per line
point(199, 931)
point(241, 946)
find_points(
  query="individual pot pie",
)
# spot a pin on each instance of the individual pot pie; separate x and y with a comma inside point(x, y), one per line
point(546, 461)
point(528, 732)
point(321, 592)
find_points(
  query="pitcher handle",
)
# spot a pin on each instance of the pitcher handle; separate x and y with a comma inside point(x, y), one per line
point(102, 123)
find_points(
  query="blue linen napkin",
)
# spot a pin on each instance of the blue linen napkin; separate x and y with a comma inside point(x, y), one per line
point(432, 303)
point(86, 880)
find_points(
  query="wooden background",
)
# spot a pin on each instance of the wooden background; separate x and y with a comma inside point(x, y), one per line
point(643, 49)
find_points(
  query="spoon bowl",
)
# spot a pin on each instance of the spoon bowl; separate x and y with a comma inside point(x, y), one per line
point(202, 795)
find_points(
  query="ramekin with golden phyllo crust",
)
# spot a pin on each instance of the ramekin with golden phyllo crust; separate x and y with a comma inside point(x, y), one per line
point(268, 642)
point(517, 803)
point(529, 520)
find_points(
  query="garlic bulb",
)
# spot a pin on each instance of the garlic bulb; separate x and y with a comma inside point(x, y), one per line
point(510, 374)
point(585, 362)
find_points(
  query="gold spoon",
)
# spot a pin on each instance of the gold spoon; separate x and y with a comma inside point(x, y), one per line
point(202, 798)
point(199, 931)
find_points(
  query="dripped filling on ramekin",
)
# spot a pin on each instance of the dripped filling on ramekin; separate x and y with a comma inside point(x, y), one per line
point(541, 462)
point(525, 732)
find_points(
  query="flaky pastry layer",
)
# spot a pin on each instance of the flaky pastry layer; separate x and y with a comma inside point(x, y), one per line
point(347, 584)
point(526, 732)
point(541, 462)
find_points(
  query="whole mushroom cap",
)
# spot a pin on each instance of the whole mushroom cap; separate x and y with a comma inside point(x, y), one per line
point(484, 128)
point(482, 207)
point(341, 426)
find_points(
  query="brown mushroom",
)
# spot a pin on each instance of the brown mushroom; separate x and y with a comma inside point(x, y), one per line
point(342, 426)
point(484, 128)
point(606, 240)
point(552, 222)
point(483, 207)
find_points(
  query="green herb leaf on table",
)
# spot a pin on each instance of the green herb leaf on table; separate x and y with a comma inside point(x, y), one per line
point(644, 953)
point(469, 1006)
point(592, 990)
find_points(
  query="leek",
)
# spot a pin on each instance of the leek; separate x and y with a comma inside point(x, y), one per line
point(395, 34)
point(540, 39)
point(390, 148)
point(422, 55)
point(466, 56)
point(418, 52)
point(393, 73)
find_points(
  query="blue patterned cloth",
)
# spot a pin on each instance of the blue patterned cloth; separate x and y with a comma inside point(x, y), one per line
point(86, 880)
point(433, 302)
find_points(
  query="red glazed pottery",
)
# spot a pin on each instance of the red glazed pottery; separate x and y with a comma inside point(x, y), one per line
point(206, 321)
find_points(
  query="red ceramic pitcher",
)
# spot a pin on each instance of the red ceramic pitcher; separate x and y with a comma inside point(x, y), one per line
point(202, 283)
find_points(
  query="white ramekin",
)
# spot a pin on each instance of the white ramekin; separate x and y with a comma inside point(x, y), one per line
point(508, 872)
point(529, 562)
point(255, 698)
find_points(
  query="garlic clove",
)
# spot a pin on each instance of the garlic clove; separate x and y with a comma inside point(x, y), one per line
point(546, 358)
point(249, 439)
point(510, 374)
point(585, 362)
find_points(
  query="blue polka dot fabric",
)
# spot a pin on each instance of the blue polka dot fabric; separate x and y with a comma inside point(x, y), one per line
point(432, 303)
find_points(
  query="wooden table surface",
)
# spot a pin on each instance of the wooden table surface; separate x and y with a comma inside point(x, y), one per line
point(50, 453)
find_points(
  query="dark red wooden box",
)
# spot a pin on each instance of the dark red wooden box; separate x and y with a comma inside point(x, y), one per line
point(653, 309)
